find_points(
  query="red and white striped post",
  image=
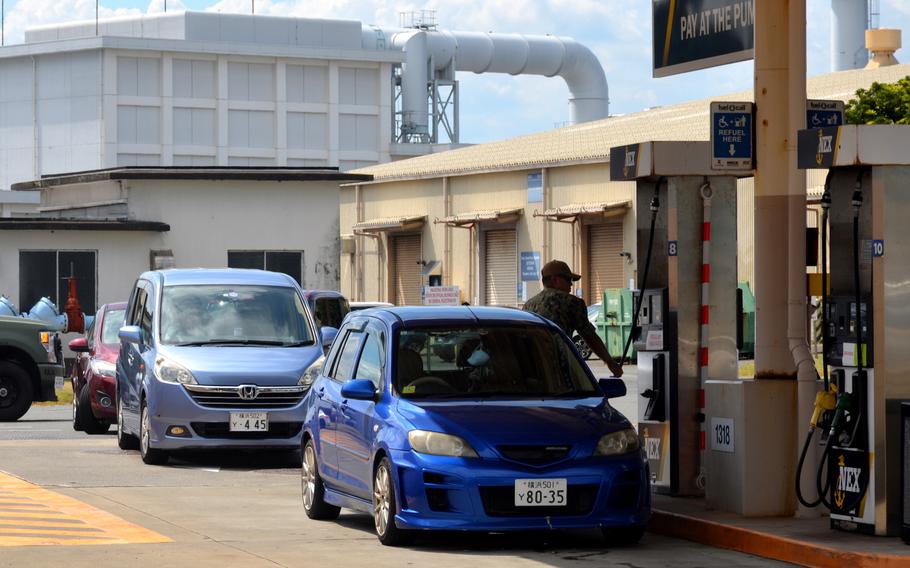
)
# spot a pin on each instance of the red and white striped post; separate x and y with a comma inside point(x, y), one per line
point(704, 321)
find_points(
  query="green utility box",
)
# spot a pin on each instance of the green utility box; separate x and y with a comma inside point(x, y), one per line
point(615, 323)
point(747, 321)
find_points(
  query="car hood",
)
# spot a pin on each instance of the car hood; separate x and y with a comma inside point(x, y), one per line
point(231, 366)
point(491, 423)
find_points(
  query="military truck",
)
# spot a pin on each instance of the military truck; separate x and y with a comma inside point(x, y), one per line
point(31, 360)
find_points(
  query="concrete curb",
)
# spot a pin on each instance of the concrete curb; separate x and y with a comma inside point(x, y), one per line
point(765, 544)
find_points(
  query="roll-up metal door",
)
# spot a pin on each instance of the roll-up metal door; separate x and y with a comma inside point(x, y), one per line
point(604, 263)
point(406, 270)
point(500, 268)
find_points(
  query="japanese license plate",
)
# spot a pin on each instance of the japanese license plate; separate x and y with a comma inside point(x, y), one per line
point(541, 492)
point(249, 421)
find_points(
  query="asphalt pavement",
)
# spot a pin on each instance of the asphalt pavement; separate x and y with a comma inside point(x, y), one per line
point(105, 507)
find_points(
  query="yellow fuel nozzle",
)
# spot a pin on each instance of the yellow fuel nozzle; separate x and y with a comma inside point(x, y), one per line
point(824, 400)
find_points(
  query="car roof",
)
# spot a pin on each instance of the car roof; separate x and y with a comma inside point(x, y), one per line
point(113, 306)
point(236, 276)
point(454, 315)
point(322, 294)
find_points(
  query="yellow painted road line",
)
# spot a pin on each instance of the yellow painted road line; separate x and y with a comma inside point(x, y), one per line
point(33, 516)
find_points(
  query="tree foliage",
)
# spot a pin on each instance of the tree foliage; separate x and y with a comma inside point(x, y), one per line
point(882, 103)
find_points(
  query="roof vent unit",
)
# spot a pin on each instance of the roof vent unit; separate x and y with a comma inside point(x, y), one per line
point(882, 43)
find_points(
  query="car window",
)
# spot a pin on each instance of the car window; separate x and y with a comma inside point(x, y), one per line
point(145, 318)
point(90, 334)
point(347, 357)
point(483, 362)
point(371, 360)
point(113, 321)
point(194, 315)
point(330, 312)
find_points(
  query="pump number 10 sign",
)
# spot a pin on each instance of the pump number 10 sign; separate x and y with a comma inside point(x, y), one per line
point(721, 434)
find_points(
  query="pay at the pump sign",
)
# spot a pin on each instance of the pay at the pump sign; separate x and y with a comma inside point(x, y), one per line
point(731, 136)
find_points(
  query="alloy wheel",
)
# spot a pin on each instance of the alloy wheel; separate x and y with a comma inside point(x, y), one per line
point(144, 431)
point(308, 477)
point(381, 500)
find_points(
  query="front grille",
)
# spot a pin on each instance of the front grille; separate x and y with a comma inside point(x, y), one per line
point(534, 455)
point(222, 430)
point(238, 397)
point(500, 502)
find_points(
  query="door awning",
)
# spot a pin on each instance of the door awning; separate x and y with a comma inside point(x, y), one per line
point(602, 208)
point(399, 223)
point(473, 217)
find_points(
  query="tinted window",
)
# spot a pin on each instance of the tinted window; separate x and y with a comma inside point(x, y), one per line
point(145, 319)
point(370, 365)
point(348, 356)
point(113, 321)
point(226, 314)
point(486, 362)
point(330, 311)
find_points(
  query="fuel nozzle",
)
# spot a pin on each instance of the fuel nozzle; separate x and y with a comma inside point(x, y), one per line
point(824, 401)
point(841, 409)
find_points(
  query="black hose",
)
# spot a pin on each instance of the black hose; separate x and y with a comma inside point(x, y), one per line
point(655, 207)
point(799, 472)
point(826, 205)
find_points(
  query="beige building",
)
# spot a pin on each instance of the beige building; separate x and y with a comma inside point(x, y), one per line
point(477, 217)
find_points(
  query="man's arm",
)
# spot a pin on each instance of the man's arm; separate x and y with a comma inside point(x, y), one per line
point(598, 348)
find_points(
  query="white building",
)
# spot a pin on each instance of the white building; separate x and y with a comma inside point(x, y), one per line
point(210, 89)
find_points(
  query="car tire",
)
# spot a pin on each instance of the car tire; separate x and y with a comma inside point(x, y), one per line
point(583, 349)
point(84, 418)
point(385, 507)
point(312, 488)
point(149, 455)
point(124, 440)
point(15, 392)
point(77, 426)
point(622, 536)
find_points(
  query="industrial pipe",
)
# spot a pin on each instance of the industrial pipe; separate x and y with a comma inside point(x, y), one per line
point(487, 52)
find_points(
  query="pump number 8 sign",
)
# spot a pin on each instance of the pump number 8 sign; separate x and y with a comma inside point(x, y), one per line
point(721, 434)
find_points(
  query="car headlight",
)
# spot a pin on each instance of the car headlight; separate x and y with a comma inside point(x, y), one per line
point(103, 368)
point(309, 376)
point(438, 444)
point(170, 372)
point(616, 443)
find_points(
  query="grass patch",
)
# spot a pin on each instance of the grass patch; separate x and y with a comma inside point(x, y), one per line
point(64, 395)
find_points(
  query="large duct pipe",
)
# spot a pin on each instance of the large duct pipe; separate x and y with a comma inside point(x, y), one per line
point(848, 39)
point(481, 52)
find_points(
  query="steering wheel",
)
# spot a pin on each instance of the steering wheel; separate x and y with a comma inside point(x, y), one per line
point(431, 380)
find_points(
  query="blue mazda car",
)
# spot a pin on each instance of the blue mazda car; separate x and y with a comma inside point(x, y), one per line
point(508, 431)
point(212, 359)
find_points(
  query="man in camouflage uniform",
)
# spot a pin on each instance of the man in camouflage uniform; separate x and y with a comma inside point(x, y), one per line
point(557, 303)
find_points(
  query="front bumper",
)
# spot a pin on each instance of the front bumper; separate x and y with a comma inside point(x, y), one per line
point(477, 494)
point(103, 388)
point(208, 428)
point(49, 373)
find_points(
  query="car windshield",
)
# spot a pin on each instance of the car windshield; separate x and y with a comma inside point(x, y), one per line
point(113, 321)
point(330, 311)
point(489, 362)
point(233, 315)
point(593, 312)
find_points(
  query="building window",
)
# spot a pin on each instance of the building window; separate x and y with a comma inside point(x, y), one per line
point(43, 272)
point(287, 262)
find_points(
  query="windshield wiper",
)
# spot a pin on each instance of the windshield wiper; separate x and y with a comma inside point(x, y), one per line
point(298, 343)
point(230, 342)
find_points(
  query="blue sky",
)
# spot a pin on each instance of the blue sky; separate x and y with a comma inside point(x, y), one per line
point(496, 106)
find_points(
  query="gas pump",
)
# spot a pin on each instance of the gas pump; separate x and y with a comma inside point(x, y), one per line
point(865, 323)
point(680, 203)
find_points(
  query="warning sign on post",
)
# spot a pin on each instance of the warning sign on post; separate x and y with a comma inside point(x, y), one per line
point(441, 296)
point(731, 136)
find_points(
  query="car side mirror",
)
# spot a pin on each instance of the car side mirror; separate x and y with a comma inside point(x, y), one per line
point(130, 334)
point(328, 336)
point(78, 345)
point(612, 388)
point(359, 389)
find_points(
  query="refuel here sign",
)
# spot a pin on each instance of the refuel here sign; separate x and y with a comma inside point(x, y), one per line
point(732, 136)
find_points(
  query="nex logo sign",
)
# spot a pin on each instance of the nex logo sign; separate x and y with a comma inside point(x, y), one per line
point(652, 448)
point(848, 479)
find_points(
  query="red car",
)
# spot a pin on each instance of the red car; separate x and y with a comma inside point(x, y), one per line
point(94, 372)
